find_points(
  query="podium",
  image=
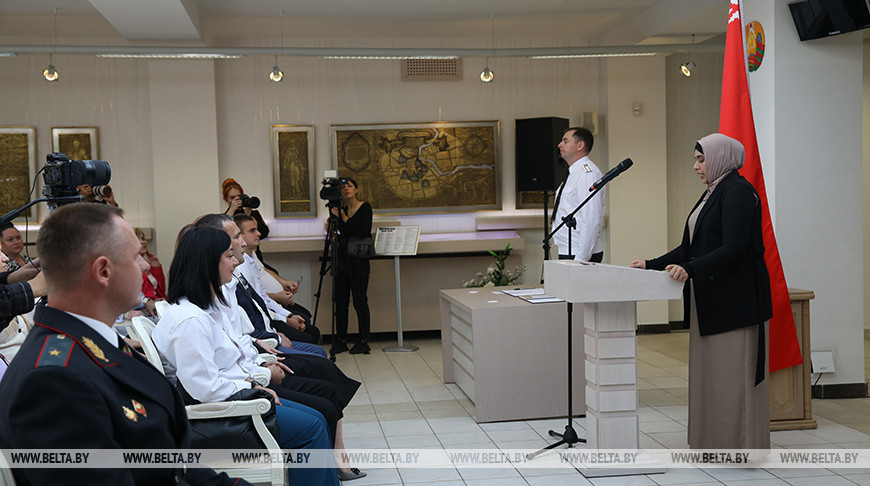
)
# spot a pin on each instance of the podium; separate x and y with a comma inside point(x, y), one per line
point(609, 294)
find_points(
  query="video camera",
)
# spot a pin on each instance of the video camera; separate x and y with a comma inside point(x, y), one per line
point(62, 177)
point(331, 190)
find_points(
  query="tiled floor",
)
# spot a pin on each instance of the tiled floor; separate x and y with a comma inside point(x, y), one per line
point(404, 404)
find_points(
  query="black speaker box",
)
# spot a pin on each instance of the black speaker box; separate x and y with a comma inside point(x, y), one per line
point(538, 165)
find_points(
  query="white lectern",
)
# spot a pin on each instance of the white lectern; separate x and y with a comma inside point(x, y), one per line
point(609, 294)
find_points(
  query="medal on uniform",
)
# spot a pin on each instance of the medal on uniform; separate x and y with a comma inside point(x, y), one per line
point(139, 408)
point(131, 415)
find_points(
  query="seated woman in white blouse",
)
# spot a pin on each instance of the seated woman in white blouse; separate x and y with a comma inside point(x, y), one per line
point(209, 365)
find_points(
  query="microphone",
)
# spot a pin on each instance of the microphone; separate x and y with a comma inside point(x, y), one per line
point(611, 174)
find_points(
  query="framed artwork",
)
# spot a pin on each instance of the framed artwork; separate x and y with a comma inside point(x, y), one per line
point(75, 143)
point(421, 167)
point(18, 166)
point(293, 163)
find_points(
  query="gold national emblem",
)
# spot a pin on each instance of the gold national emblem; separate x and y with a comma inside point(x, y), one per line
point(94, 349)
point(131, 415)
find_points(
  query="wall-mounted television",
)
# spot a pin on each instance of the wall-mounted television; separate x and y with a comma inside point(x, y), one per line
point(823, 18)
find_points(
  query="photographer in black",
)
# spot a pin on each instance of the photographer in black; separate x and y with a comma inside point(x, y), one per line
point(240, 203)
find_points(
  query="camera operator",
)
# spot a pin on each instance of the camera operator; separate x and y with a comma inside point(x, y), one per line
point(354, 218)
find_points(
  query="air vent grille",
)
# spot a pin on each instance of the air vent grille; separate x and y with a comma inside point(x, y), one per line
point(432, 69)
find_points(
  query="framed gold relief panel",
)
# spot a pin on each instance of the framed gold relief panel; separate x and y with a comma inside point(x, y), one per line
point(17, 169)
point(76, 143)
point(421, 167)
point(293, 163)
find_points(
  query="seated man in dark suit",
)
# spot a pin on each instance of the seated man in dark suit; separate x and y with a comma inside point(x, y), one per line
point(74, 384)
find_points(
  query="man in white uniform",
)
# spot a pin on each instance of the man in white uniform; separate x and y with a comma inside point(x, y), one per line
point(585, 240)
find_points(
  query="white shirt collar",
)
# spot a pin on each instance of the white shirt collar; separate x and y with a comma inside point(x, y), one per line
point(106, 332)
point(578, 163)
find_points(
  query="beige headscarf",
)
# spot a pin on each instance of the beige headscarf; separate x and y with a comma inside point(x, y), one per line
point(722, 154)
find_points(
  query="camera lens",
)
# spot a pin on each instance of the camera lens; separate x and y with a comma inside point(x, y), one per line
point(102, 191)
point(96, 172)
point(249, 201)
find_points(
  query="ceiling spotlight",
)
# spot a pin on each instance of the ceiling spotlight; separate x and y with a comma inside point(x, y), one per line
point(50, 73)
point(486, 76)
point(686, 68)
point(277, 74)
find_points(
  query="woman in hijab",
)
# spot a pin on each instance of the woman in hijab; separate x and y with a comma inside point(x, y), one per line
point(726, 300)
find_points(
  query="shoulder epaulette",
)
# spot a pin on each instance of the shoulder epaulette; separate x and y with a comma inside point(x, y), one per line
point(56, 351)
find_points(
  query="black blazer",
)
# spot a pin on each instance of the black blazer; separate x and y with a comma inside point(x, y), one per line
point(68, 388)
point(725, 260)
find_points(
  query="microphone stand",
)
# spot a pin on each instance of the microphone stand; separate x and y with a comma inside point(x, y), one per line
point(546, 225)
point(570, 436)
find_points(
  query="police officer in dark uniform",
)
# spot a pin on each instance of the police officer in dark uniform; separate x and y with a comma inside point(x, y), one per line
point(75, 384)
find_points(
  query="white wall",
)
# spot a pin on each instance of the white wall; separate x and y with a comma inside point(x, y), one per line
point(638, 198)
point(184, 144)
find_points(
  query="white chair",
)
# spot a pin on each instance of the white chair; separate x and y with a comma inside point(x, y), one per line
point(273, 473)
point(141, 330)
point(161, 306)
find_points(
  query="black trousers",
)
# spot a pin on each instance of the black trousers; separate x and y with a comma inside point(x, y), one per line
point(595, 258)
point(310, 335)
point(352, 277)
point(336, 386)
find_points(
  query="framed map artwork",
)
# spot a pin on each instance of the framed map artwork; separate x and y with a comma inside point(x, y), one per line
point(18, 166)
point(293, 163)
point(421, 167)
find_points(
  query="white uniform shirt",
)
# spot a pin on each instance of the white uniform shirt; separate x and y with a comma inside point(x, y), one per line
point(235, 322)
point(209, 364)
point(270, 283)
point(249, 270)
point(586, 238)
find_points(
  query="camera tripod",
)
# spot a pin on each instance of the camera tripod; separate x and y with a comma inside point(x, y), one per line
point(328, 263)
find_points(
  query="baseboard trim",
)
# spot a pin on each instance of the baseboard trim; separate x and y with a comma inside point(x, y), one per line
point(653, 328)
point(840, 390)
